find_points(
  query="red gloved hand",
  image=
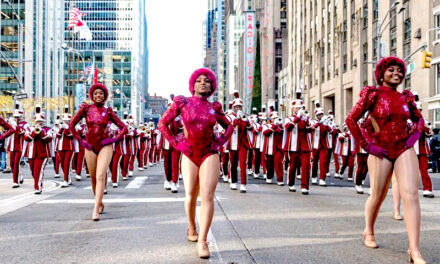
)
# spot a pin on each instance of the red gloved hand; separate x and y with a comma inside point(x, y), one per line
point(108, 141)
point(376, 150)
point(185, 148)
point(412, 139)
point(86, 145)
point(218, 143)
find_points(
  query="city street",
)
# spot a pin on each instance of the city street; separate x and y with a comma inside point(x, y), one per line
point(143, 223)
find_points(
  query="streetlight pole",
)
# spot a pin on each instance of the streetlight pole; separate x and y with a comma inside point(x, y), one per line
point(379, 29)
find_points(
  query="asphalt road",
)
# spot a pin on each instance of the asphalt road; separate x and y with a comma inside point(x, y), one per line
point(143, 223)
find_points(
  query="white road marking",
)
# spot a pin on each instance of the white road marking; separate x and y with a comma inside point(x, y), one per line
point(120, 200)
point(211, 239)
point(255, 185)
point(23, 200)
point(136, 183)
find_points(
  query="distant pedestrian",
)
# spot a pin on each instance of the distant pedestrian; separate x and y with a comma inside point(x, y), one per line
point(435, 148)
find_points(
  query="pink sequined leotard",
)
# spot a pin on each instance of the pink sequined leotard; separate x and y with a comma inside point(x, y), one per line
point(391, 110)
point(97, 117)
point(199, 117)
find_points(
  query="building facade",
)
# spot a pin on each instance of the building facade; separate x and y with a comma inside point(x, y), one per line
point(333, 48)
point(119, 50)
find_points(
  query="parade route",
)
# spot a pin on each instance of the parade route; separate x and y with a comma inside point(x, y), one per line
point(143, 223)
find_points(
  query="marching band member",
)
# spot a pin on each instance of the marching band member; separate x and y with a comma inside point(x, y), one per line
point(296, 141)
point(200, 161)
point(147, 145)
point(7, 129)
point(65, 146)
point(331, 124)
point(252, 135)
point(142, 140)
point(176, 127)
point(16, 145)
point(361, 157)
point(38, 148)
point(347, 153)
point(128, 148)
point(167, 153)
point(273, 133)
point(257, 129)
point(153, 143)
point(157, 153)
point(81, 130)
point(320, 146)
point(336, 149)
point(118, 154)
point(56, 159)
point(134, 145)
point(224, 149)
point(423, 151)
point(97, 143)
point(262, 156)
point(238, 144)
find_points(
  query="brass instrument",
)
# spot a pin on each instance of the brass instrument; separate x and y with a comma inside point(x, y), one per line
point(148, 132)
point(37, 130)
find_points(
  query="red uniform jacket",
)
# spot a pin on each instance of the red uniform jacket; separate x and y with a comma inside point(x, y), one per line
point(65, 140)
point(240, 134)
point(323, 131)
point(16, 141)
point(302, 139)
point(38, 144)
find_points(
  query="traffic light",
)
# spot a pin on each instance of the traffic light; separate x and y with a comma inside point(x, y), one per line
point(426, 59)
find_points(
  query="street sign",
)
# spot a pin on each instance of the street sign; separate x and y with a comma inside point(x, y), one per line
point(411, 68)
point(20, 96)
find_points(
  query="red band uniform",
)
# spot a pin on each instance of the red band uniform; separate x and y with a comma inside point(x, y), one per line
point(297, 143)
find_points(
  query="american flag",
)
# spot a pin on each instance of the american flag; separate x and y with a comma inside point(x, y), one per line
point(74, 17)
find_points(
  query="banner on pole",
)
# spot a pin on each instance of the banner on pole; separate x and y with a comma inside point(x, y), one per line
point(80, 94)
point(250, 32)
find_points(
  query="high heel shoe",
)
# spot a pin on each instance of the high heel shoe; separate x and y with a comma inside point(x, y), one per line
point(203, 249)
point(101, 209)
point(397, 217)
point(95, 216)
point(193, 237)
point(369, 243)
point(415, 260)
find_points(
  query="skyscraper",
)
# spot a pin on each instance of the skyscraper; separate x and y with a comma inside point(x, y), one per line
point(119, 50)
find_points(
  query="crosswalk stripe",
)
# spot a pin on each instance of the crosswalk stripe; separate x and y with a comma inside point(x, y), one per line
point(136, 183)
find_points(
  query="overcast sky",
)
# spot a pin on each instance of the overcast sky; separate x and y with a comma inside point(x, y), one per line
point(175, 44)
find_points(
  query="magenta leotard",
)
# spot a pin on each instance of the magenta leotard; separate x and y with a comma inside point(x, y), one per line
point(199, 117)
point(391, 110)
point(97, 118)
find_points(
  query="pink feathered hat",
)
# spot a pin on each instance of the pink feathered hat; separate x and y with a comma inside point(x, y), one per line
point(98, 86)
point(209, 74)
point(384, 63)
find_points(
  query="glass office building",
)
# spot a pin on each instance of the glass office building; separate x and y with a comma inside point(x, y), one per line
point(118, 49)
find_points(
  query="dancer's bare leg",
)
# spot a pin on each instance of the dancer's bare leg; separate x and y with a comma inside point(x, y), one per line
point(102, 164)
point(396, 197)
point(380, 176)
point(208, 177)
point(91, 158)
point(191, 182)
point(407, 174)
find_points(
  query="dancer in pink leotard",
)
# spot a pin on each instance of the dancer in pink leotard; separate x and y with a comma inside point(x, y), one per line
point(199, 145)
